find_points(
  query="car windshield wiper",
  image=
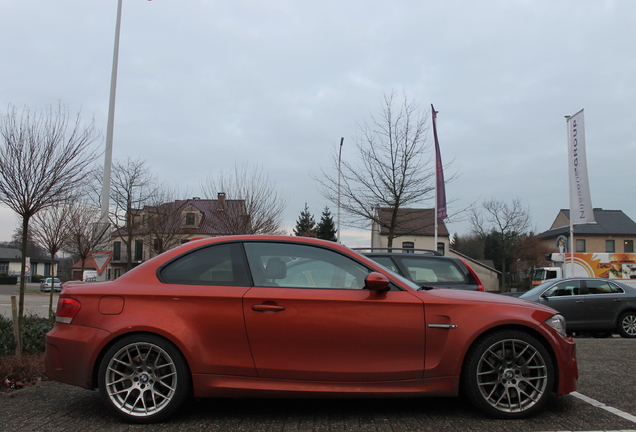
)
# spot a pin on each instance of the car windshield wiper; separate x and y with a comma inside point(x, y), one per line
point(425, 288)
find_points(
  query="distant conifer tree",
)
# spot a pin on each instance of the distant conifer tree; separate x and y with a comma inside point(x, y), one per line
point(306, 224)
point(326, 229)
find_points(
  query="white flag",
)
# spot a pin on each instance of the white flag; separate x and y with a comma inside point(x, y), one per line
point(581, 211)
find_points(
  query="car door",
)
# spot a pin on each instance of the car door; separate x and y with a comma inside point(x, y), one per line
point(603, 301)
point(568, 299)
point(308, 317)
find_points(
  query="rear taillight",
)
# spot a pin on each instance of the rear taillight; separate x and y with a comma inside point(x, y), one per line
point(480, 286)
point(67, 309)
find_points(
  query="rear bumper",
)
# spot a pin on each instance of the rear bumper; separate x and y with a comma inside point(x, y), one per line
point(71, 353)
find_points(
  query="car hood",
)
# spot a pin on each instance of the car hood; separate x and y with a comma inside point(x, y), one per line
point(462, 296)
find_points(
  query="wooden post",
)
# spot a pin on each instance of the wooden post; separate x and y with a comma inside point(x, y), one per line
point(16, 326)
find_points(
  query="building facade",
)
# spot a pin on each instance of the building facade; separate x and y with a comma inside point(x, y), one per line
point(613, 232)
point(156, 229)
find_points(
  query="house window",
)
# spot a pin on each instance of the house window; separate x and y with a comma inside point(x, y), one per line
point(609, 246)
point(441, 248)
point(139, 250)
point(628, 246)
point(117, 251)
point(4, 267)
point(408, 245)
point(580, 245)
point(156, 244)
point(189, 219)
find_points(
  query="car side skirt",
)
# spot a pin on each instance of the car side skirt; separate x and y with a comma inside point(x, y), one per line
point(234, 386)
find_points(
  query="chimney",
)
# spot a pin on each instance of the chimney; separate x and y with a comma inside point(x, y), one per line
point(221, 201)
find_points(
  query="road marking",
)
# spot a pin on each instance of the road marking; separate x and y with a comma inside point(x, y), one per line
point(598, 404)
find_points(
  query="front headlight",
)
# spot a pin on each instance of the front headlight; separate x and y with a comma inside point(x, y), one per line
point(557, 322)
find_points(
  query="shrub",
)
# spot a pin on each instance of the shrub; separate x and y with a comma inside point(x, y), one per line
point(33, 342)
point(8, 280)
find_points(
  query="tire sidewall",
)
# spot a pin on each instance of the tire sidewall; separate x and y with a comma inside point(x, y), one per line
point(184, 379)
point(469, 383)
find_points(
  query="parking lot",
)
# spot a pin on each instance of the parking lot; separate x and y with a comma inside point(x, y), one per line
point(604, 402)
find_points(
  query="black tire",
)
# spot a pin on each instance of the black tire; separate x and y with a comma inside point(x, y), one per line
point(144, 379)
point(627, 325)
point(508, 374)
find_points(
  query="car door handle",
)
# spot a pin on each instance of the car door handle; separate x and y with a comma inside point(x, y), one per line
point(618, 300)
point(267, 308)
point(580, 301)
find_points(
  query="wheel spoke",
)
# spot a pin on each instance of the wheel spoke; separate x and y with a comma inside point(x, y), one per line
point(141, 379)
point(512, 375)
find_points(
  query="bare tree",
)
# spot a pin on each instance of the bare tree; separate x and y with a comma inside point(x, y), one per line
point(45, 157)
point(163, 226)
point(50, 232)
point(391, 172)
point(133, 187)
point(261, 207)
point(531, 252)
point(84, 232)
point(508, 221)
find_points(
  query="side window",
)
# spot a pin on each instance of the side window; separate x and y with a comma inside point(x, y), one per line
point(214, 265)
point(602, 287)
point(302, 266)
point(431, 270)
point(386, 262)
point(566, 288)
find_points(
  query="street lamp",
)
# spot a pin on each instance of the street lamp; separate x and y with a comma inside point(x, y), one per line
point(108, 154)
point(339, 159)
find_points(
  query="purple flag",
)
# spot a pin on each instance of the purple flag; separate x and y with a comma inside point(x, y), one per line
point(440, 190)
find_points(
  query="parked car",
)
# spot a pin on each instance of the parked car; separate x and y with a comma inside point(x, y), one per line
point(426, 267)
point(45, 285)
point(256, 316)
point(599, 306)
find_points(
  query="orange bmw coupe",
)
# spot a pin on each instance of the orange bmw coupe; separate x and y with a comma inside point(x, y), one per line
point(251, 316)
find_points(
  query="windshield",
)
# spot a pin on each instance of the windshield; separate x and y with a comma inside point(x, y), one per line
point(538, 274)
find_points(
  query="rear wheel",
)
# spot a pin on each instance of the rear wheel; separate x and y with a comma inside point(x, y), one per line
point(627, 325)
point(144, 379)
point(508, 374)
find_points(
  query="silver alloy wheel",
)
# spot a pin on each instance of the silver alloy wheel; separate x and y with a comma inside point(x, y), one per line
point(512, 375)
point(628, 323)
point(141, 379)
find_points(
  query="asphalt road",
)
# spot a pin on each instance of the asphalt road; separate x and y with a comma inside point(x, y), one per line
point(35, 302)
point(607, 369)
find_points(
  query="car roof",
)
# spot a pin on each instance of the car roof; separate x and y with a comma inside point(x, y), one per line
point(396, 251)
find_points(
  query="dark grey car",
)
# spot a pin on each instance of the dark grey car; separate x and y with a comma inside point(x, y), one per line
point(598, 306)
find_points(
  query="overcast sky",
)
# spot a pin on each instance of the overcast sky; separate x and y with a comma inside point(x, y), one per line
point(204, 85)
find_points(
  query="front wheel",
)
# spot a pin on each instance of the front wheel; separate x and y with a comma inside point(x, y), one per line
point(508, 374)
point(144, 379)
point(627, 325)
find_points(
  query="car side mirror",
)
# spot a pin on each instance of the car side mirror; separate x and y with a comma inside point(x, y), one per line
point(376, 282)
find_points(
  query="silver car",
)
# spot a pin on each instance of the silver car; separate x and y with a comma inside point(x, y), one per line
point(45, 285)
point(598, 306)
